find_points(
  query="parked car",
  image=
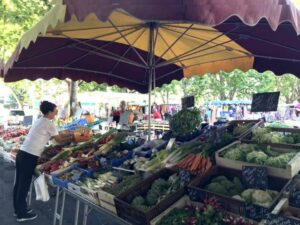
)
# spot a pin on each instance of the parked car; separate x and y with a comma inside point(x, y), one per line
point(15, 117)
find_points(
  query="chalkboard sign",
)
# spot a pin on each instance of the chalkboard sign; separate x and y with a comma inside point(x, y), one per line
point(273, 219)
point(27, 120)
point(255, 177)
point(265, 102)
point(294, 192)
point(255, 212)
point(188, 102)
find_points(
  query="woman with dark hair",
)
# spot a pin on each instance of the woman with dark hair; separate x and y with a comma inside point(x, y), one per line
point(40, 133)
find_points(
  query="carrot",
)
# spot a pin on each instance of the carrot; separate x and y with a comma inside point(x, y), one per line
point(196, 162)
point(184, 163)
point(208, 165)
point(190, 162)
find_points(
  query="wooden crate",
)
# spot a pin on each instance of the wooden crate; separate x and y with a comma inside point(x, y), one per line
point(179, 204)
point(185, 201)
point(197, 192)
point(109, 207)
point(292, 168)
point(90, 195)
point(279, 210)
point(248, 137)
point(106, 197)
point(136, 216)
point(234, 123)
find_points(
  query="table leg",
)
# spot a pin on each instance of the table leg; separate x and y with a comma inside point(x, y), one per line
point(77, 212)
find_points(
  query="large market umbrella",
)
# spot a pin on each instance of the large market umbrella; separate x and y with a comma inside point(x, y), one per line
point(136, 43)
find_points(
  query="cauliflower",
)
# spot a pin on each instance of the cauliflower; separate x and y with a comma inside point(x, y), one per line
point(238, 197)
point(273, 194)
point(247, 194)
point(257, 157)
point(262, 198)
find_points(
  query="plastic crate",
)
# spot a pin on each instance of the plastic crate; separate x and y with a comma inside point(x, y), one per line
point(63, 183)
point(119, 162)
point(90, 172)
point(197, 192)
point(136, 216)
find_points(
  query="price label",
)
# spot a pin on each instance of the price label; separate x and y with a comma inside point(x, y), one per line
point(265, 102)
point(255, 177)
point(273, 219)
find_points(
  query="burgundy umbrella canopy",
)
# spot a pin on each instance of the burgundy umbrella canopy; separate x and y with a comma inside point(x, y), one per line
point(132, 43)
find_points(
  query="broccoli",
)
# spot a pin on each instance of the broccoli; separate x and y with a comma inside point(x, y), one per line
point(238, 184)
point(138, 201)
point(222, 185)
point(257, 157)
point(152, 197)
point(217, 188)
point(219, 179)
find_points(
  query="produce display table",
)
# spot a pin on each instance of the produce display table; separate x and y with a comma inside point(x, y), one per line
point(88, 207)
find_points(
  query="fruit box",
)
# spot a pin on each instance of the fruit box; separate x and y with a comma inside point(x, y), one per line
point(197, 192)
point(291, 169)
point(136, 216)
point(64, 183)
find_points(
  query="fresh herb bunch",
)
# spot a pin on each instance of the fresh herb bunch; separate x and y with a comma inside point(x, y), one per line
point(185, 121)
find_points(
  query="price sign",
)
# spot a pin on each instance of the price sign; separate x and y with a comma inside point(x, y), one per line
point(255, 177)
point(265, 102)
point(255, 212)
point(188, 102)
point(273, 219)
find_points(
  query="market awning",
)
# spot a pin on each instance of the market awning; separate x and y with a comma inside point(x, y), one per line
point(110, 42)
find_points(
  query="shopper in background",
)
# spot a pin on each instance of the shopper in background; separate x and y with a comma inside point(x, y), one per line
point(156, 114)
point(297, 108)
point(40, 133)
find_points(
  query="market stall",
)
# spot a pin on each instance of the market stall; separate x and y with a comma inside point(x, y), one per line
point(140, 51)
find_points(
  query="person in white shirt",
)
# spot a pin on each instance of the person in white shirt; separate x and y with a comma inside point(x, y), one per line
point(40, 133)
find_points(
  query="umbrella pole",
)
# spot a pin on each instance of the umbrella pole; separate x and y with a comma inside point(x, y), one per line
point(152, 26)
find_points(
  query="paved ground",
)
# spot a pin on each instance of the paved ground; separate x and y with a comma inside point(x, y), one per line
point(45, 211)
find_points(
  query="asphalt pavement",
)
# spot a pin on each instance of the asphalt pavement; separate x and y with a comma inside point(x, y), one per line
point(45, 210)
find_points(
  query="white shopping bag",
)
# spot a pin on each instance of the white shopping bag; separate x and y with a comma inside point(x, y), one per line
point(41, 188)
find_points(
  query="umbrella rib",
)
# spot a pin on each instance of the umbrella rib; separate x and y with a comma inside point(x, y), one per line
point(199, 46)
point(130, 45)
point(109, 43)
point(123, 55)
point(197, 64)
point(277, 58)
point(65, 46)
point(170, 46)
point(267, 41)
point(90, 28)
point(106, 74)
point(113, 58)
point(109, 55)
point(183, 58)
point(78, 69)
